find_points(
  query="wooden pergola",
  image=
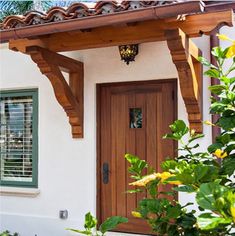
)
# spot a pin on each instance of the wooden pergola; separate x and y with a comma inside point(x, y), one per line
point(175, 23)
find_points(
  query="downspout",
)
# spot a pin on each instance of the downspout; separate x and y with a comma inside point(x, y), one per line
point(214, 42)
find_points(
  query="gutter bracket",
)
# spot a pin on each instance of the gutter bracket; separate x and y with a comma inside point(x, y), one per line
point(184, 55)
point(69, 96)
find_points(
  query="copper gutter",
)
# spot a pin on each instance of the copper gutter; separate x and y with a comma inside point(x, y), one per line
point(129, 16)
point(221, 5)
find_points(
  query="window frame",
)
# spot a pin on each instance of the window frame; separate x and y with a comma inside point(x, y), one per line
point(34, 93)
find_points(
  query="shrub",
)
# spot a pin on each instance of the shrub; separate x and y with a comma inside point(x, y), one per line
point(195, 172)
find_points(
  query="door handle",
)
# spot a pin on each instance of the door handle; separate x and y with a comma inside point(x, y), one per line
point(105, 173)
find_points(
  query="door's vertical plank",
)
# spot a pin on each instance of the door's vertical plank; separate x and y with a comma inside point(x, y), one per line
point(140, 102)
point(118, 120)
point(160, 131)
point(167, 119)
point(98, 154)
point(106, 201)
point(113, 167)
point(130, 148)
point(151, 129)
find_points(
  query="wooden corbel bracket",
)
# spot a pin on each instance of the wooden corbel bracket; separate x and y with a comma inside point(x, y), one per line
point(69, 96)
point(184, 55)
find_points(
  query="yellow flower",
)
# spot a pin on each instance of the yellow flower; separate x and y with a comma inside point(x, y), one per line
point(224, 37)
point(136, 214)
point(231, 51)
point(220, 154)
point(192, 132)
point(176, 182)
point(232, 209)
point(165, 175)
point(145, 180)
point(207, 122)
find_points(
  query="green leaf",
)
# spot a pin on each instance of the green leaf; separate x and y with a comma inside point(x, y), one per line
point(224, 139)
point(137, 165)
point(194, 137)
point(168, 165)
point(204, 61)
point(90, 221)
point(173, 211)
point(179, 129)
point(208, 222)
point(187, 221)
point(212, 73)
point(152, 187)
point(217, 89)
point(85, 232)
point(232, 80)
point(135, 191)
point(228, 166)
point(112, 223)
point(200, 172)
point(208, 193)
point(172, 230)
point(227, 122)
point(217, 52)
point(185, 188)
point(214, 146)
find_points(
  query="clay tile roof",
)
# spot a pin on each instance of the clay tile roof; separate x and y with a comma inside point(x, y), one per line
point(76, 11)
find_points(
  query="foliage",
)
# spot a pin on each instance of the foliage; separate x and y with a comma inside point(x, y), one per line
point(195, 172)
point(11, 7)
point(7, 233)
point(90, 225)
point(21, 7)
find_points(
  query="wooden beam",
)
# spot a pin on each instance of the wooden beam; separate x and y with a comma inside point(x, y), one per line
point(141, 32)
point(69, 96)
point(184, 55)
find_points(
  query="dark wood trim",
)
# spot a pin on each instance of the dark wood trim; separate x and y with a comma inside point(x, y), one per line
point(143, 31)
point(222, 6)
point(184, 55)
point(69, 96)
point(129, 16)
point(214, 41)
point(141, 82)
point(98, 128)
point(98, 153)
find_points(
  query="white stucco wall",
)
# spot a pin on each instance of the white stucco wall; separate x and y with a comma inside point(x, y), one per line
point(67, 167)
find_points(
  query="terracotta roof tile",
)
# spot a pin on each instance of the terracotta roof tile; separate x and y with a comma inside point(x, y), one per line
point(75, 11)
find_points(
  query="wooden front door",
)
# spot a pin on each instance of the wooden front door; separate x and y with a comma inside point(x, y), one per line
point(132, 118)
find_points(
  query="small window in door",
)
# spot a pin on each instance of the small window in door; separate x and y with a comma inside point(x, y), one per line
point(135, 118)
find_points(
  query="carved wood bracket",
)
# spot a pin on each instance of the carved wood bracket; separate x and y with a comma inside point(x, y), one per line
point(184, 55)
point(69, 96)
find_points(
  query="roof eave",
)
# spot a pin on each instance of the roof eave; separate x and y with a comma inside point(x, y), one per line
point(129, 16)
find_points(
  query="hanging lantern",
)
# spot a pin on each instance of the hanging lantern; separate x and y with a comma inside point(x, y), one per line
point(128, 52)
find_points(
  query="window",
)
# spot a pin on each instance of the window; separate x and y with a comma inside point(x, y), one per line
point(18, 138)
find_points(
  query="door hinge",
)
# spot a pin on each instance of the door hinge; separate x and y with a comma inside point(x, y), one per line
point(173, 95)
point(105, 173)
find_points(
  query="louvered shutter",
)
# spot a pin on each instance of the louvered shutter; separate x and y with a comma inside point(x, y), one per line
point(16, 139)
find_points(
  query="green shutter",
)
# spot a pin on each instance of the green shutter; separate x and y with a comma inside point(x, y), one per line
point(19, 138)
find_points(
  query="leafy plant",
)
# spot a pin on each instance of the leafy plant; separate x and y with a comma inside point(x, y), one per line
point(18, 7)
point(90, 225)
point(7, 233)
point(195, 172)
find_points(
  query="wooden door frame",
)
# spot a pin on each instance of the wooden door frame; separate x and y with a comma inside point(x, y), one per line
point(98, 127)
